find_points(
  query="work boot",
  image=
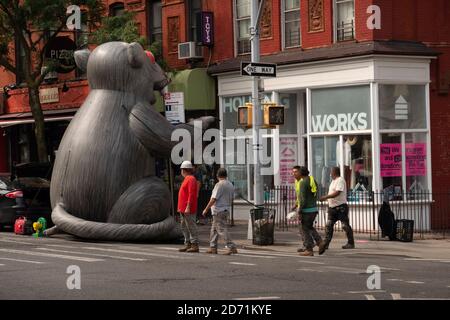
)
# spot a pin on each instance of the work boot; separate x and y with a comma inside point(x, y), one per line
point(323, 245)
point(212, 250)
point(349, 246)
point(307, 253)
point(301, 249)
point(230, 251)
point(186, 247)
point(193, 248)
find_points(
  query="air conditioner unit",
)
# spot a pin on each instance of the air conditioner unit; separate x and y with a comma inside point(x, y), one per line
point(189, 50)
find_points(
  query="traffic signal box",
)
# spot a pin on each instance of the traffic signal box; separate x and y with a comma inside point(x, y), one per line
point(273, 115)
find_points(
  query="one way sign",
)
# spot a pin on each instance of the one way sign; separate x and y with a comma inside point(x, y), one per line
point(258, 69)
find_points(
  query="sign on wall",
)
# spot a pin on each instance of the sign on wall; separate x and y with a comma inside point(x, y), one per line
point(174, 107)
point(48, 95)
point(62, 49)
point(340, 109)
point(206, 20)
point(288, 159)
point(391, 159)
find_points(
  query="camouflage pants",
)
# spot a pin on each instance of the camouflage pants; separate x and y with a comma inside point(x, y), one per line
point(308, 232)
point(189, 228)
point(339, 213)
point(220, 228)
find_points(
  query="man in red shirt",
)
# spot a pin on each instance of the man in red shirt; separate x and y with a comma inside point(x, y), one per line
point(187, 208)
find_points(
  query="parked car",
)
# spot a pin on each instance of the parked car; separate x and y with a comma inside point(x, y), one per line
point(26, 193)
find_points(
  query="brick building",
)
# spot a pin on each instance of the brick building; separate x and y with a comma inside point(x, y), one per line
point(365, 83)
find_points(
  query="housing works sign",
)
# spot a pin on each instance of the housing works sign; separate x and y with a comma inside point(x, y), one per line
point(340, 109)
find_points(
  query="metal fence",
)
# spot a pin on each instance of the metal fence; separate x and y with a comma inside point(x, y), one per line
point(430, 211)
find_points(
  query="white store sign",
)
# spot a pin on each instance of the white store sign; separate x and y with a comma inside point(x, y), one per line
point(174, 107)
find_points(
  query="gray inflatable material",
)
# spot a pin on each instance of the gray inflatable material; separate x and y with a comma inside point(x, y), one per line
point(103, 185)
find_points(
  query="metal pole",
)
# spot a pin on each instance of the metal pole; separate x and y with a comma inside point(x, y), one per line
point(257, 112)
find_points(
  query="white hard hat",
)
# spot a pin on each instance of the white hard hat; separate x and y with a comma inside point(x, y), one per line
point(186, 165)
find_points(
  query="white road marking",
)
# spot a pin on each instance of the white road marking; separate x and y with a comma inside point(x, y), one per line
point(145, 253)
point(309, 270)
point(400, 280)
point(367, 291)
point(243, 263)
point(258, 298)
point(167, 248)
point(25, 261)
point(311, 262)
point(415, 282)
point(370, 297)
point(392, 269)
point(15, 241)
point(396, 296)
point(345, 269)
point(267, 253)
point(51, 255)
point(1, 265)
point(93, 254)
point(424, 259)
point(254, 256)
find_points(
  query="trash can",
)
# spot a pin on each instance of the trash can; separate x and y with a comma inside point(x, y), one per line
point(404, 230)
point(263, 225)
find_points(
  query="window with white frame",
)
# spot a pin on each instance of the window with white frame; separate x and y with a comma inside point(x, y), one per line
point(404, 134)
point(291, 11)
point(344, 20)
point(243, 26)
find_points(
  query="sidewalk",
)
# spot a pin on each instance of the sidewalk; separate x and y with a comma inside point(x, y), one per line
point(289, 241)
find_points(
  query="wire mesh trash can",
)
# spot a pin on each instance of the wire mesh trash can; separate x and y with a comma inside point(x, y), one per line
point(404, 230)
point(263, 225)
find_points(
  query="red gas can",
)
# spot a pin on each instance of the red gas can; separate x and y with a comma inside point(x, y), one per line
point(23, 226)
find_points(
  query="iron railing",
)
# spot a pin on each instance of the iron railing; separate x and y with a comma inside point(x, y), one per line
point(430, 211)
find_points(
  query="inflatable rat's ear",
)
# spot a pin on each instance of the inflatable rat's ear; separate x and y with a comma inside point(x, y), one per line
point(136, 55)
point(81, 58)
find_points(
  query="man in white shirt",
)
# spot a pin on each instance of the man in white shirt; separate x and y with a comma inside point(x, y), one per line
point(220, 205)
point(337, 211)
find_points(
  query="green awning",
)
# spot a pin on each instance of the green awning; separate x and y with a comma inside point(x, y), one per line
point(199, 90)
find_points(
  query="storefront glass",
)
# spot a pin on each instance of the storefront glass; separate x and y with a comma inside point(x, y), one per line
point(402, 107)
point(289, 101)
point(340, 109)
point(416, 162)
point(354, 159)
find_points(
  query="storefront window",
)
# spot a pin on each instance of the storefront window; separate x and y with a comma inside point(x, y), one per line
point(289, 101)
point(340, 109)
point(354, 159)
point(402, 107)
point(323, 159)
point(416, 162)
point(358, 154)
point(391, 162)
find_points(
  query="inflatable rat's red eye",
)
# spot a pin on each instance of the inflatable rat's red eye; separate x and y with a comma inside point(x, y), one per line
point(150, 56)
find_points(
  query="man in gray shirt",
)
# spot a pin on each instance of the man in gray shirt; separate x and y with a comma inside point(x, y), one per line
point(220, 205)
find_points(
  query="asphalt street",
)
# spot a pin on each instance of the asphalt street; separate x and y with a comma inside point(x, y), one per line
point(45, 268)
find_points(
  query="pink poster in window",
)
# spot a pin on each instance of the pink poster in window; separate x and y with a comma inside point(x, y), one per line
point(391, 159)
point(416, 159)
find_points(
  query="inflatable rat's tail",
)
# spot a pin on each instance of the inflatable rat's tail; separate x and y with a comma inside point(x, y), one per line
point(64, 221)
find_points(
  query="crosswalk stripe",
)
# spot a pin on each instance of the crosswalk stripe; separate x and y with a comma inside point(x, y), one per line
point(16, 241)
point(243, 263)
point(25, 261)
point(51, 255)
point(92, 254)
point(258, 298)
point(370, 297)
point(145, 253)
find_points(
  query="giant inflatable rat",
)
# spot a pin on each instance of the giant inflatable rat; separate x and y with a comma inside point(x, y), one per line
point(103, 185)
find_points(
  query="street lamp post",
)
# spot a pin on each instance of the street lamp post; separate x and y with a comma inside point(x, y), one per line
point(257, 115)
